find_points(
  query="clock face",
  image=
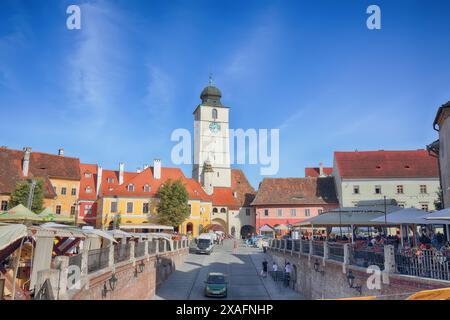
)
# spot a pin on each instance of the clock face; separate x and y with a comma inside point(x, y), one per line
point(214, 127)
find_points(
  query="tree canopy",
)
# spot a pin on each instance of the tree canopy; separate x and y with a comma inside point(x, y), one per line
point(173, 207)
point(21, 194)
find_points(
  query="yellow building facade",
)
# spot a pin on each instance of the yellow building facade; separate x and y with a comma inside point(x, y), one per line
point(65, 202)
point(138, 211)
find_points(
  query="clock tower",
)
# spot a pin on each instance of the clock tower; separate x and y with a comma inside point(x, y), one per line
point(211, 140)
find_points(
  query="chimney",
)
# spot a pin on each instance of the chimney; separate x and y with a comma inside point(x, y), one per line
point(138, 170)
point(146, 166)
point(321, 174)
point(61, 152)
point(26, 161)
point(99, 179)
point(121, 170)
point(157, 169)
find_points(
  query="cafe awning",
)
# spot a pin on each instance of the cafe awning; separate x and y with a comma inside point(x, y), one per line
point(407, 216)
point(334, 218)
point(9, 233)
point(266, 228)
point(443, 215)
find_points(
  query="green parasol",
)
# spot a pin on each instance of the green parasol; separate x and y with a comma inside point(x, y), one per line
point(20, 213)
point(48, 216)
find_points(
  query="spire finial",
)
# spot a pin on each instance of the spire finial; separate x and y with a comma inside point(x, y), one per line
point(210, 79)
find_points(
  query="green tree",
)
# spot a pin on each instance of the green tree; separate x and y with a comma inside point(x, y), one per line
point(21, 194)
point(173, 207)
point(438, 203)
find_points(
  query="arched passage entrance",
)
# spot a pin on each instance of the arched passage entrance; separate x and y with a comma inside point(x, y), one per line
point(189, 228)
point(221, 223)
point(247, 230)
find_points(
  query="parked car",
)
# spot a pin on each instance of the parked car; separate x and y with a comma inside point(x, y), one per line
point(216, 285)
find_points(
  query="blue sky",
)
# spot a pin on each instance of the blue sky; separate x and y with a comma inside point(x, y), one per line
point(116, 89)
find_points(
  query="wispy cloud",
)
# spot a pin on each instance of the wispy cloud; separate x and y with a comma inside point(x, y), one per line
point(160, 92)
point(97, 71)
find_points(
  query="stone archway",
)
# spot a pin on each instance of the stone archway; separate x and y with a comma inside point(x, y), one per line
point(247, 230)
point(220, 222)
point(189, 228)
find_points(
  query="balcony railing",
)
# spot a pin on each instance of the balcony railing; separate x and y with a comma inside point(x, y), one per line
point(336, 251)
point(139, 249)
point(423, 263)
point(317, 247)
point(297, 245)
point(152, 247)
point(288, 244)
point(98, 259)
point(121, 252)
point(305, 246)
point(367, 256)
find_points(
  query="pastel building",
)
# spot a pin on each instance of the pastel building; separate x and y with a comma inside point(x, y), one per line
point(285, 201)
point(411, 177)
point(61, 176)
point(130, 200)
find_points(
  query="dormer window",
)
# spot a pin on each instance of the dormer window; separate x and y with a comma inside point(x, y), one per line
point(88, 189)
point(87, 174)
point(130, 187)
point(147, 188)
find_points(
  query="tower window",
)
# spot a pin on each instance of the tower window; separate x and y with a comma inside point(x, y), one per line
point(214, 114)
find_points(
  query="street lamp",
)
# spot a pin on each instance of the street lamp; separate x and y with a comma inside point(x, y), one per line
point(351, 281)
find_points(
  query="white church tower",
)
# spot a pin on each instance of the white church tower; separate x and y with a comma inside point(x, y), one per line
point(211, 141)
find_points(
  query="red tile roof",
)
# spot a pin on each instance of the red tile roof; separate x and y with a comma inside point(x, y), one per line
point(314, 172)
point(139, 180)
point(296, 191)
point(386, 164)
point(223, 196)
point(42, 165)
point(90, 181)
point(240, 185)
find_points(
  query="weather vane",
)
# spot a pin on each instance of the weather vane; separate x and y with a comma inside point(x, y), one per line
point(210, 79)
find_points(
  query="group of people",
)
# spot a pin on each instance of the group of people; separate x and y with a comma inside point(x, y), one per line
point(287, 271)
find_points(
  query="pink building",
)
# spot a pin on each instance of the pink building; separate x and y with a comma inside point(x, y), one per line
point(284, 201)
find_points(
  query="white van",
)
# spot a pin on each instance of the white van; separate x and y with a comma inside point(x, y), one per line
point(205, 243)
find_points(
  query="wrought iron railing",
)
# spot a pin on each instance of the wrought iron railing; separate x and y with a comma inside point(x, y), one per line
point(288, 244)
point(121, 252)
point(336, 251)
point(139, 249)
point(98, 259)
point(367, 256)
point(75, 260)
point(282, 244)
point(297, 245)
point(305, 246)
point(317, 247)
point(424, 263)
point(152, 247)
point(161, 246)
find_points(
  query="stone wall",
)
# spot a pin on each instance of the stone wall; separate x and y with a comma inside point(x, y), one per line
point(330, 279)
point(131, 285)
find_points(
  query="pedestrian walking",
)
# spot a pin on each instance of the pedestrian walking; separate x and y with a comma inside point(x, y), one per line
point(234, 246)
point(264, 269)
point(274, 267)
point(287, 274)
